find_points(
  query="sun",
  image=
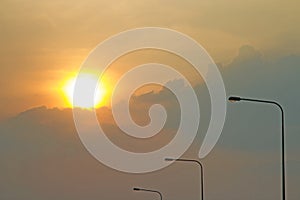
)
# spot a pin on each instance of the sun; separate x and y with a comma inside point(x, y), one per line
point(89, 80)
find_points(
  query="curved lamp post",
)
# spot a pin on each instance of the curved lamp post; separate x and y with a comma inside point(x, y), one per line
point(147, 190)
point(201, 170)
point(236, 99)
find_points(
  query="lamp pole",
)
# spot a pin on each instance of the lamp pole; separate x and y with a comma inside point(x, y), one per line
point(283, 180)
point(201, 170)
point(147, 190)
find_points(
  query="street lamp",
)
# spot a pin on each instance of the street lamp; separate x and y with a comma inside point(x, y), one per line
point(201, 170)
point(236, 99)
point(147, 190)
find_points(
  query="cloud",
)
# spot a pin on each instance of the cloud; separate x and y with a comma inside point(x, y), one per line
point(43, 158)
point(247, 54)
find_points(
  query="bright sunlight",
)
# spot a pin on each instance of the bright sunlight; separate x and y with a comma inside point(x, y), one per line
point(89, 79)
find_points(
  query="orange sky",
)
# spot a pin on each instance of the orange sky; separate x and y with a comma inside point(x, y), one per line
point(44, 42)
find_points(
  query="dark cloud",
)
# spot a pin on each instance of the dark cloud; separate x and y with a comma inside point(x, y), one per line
point(43, 158)
point(247, 54)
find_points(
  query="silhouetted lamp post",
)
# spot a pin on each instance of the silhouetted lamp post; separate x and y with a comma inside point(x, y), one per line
point(201, 170)
point(236, 99)
point(147, 190)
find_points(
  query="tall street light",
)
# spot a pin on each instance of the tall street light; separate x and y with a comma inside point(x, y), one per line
point(147, 190)
point(201, 170)
point(236, 99)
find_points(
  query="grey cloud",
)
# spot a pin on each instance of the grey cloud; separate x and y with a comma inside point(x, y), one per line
point(43, 158)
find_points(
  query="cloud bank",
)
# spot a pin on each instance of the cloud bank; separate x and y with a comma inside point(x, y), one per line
point(43, 158)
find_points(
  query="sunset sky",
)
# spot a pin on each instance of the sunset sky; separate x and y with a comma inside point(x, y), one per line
point(45, 42)
point(255, 44)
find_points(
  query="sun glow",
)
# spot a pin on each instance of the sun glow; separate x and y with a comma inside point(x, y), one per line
point(88, 80)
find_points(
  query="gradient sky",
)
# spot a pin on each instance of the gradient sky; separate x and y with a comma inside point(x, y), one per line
point(43, 43)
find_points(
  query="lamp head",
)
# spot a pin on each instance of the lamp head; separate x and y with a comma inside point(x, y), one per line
point(169, 159)
point(234, 99)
